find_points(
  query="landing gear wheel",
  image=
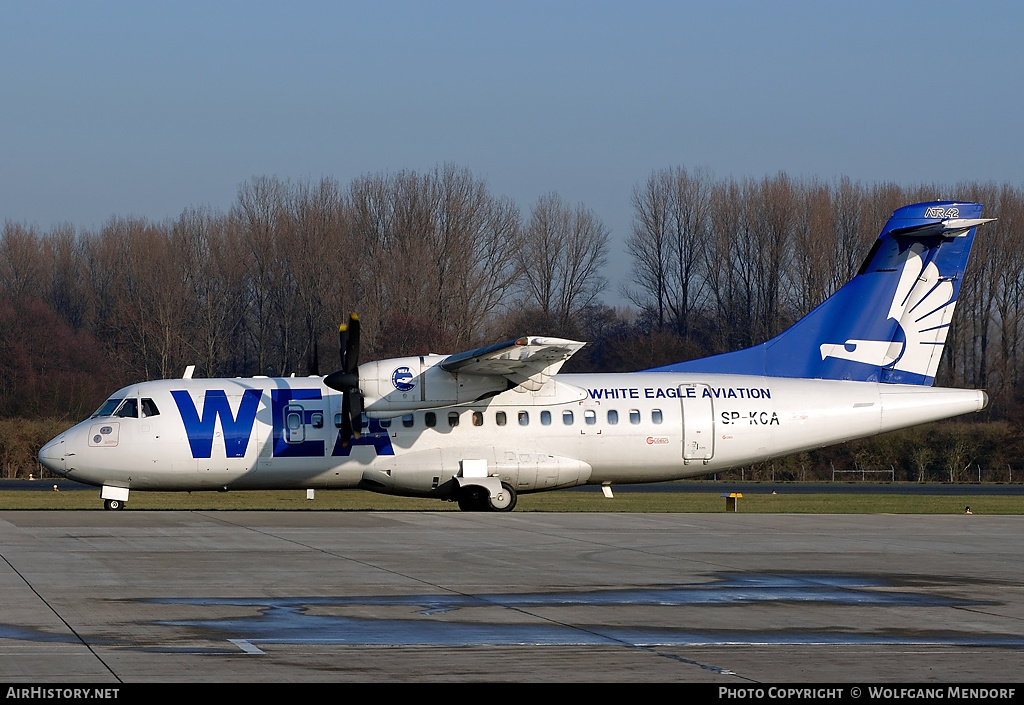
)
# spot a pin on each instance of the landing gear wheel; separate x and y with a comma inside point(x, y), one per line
point(113, 505)
point(505, 501)
point(473, 499)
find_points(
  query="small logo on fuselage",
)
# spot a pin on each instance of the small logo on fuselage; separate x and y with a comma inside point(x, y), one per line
point(402, 379)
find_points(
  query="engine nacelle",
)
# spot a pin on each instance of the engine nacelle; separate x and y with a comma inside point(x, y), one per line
point(403, 384)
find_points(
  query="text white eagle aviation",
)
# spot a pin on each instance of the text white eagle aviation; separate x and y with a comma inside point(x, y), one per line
point(482, 426)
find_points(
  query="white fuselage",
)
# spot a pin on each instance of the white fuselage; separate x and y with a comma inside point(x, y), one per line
point(264, 433)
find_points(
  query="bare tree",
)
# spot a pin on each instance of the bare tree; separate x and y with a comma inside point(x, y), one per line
point(671, 229)
point(1008, 231)
point(815, 256)
point(314, 244)
point(63, 255)
point(563, 251)
point(440, 252)
point(853, 238)
point(215, 278)
point(21, 261)
point(649, 246)
point(732, 263)
point(256, 214)
point(388, 223)
point(775, 214)
point(473, 239)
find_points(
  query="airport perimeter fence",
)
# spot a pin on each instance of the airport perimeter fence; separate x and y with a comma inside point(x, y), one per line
point(891, 473)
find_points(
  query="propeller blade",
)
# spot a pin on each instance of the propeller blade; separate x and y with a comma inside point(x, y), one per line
point(351, 361)
point(346, 380)
point(346, 420)
point(356, 407)
point(342, 343)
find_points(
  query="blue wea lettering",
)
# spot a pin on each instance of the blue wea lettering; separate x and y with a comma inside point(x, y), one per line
point(237, 428)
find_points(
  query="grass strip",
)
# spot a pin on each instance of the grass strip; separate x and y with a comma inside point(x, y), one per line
point(558, 501)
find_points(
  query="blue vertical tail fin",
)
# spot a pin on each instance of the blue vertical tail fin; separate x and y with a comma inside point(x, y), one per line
point(887, 324)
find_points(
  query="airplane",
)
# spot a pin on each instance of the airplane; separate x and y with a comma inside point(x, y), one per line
point(483, 426)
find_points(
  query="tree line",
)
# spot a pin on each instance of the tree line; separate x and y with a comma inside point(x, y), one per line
point(725, 264)
point(435, 262)
point(430, 261)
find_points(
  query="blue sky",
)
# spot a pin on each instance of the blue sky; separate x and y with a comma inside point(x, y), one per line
point(144, 108)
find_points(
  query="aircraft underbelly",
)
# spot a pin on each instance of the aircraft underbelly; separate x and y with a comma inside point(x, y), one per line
point(416, 472)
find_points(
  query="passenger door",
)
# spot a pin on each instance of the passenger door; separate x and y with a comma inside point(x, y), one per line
point(698, 423)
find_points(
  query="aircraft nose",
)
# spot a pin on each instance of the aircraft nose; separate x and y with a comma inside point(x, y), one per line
point(52, 455)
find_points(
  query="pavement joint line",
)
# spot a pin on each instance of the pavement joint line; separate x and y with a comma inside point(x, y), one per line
point(247, 647)
point(58, 615)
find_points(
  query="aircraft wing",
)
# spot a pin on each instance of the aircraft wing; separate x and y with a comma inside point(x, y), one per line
point(527, 361)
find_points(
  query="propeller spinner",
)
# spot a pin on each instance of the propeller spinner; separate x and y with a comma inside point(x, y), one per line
point(346, 380)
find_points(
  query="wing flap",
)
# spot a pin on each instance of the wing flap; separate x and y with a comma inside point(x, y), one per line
point(527, 361)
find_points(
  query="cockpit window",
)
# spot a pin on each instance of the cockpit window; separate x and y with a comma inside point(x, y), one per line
point(149, 409)
point(108, 407)
point(129, 409)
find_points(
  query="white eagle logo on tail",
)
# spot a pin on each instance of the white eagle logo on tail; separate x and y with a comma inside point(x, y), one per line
point(923, 306)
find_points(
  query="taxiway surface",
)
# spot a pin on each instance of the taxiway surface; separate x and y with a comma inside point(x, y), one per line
point(138, 596)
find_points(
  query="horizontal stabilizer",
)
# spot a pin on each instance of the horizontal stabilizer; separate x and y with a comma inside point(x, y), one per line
point(955, 227)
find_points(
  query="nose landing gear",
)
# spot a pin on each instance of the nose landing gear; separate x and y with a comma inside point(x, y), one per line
point(114, 498)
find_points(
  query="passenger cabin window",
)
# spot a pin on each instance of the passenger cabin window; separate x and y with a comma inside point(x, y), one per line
point(129, 409)
point(385, 423)
point(545, 418)
point(613, 416)
point(656, 416)
point(149, 408)
point(524, 418)
point(478, 418)
point(634, 416)
point(590, 417)
point(408, 420)
point(567, 418)
point(453, 419)
point(500, 418)
point(430, 418)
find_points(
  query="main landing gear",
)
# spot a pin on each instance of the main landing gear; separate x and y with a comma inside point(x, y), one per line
point(113, 504)
point(474, 498)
